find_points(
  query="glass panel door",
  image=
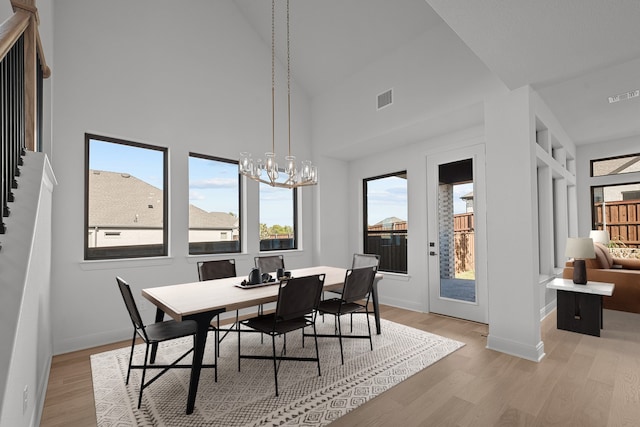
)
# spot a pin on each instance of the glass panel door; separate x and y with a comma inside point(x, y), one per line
point(456, 214)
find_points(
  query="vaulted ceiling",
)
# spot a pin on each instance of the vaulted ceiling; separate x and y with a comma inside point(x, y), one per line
point(574, 53)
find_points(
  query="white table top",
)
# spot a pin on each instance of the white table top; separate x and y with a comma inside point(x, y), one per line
point(186, 299)
point(597, 288)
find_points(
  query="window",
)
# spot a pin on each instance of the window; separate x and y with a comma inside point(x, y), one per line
point(385, 220)
point(214, 205)
point(615, 165)
point(126, 201)
point(616, 208)
point(278, 218)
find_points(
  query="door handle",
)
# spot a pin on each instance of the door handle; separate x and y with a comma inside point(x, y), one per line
point(432, 253)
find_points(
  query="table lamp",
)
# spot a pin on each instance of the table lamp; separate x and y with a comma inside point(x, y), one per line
point(580, 248)
point(600, 236)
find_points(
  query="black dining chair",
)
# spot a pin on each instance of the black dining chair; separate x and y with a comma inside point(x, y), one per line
point(358, 283)
point(155, 333)
point(269, 263)
point(360, 260)
point(298, 300)
point(218, 269)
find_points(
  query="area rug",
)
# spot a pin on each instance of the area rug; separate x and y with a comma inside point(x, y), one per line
point(247, 398)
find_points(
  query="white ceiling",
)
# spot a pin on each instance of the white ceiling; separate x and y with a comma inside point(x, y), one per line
point(575, 53)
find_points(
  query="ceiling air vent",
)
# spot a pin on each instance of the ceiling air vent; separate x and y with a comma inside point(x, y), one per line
point(385, 99)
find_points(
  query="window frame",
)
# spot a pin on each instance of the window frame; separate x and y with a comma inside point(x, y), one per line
point(240, 228)
point(595, 225)
point(295, 221)
point(365, 216)
point(604, 159)
point(123, 254)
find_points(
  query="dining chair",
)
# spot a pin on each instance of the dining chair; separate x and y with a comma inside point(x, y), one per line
point(359, 260)
point(270, 263)
point(358, 283)
point(218, 269)
point(365, 260)
point(155, 333)
point(296, 306)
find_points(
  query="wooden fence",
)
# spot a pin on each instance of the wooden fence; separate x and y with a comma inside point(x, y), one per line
point(464, 242)
point(622, 221)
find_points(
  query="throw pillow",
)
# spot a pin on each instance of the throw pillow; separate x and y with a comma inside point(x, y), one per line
point(605, 251)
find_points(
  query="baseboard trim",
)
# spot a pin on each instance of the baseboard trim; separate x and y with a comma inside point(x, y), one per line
point(524, 351)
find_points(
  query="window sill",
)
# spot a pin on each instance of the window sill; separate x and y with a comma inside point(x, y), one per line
point(108, 264)
point(398, 277)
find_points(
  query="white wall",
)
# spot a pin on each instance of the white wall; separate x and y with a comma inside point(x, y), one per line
point(514, 306)
point(410, 290)
point(190, 76)
point(434, 66)
point(346, 126)
point(6, 11)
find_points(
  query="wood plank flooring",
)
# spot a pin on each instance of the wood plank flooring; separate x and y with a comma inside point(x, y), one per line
point(582, 381)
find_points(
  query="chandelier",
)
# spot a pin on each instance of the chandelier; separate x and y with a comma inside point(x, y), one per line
point(267, 170)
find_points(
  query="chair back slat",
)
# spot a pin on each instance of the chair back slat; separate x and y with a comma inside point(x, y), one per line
point(358, 283)
point(299, 296)
point(365, 260)
point(130, 303)
point(217, 269)
point(269, 264)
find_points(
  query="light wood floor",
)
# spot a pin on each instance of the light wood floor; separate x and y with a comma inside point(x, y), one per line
point(582, 381)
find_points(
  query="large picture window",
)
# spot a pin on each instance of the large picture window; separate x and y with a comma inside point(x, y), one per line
point(126, 199)
point(278, 218)
point(385, 220)
point(214, 205)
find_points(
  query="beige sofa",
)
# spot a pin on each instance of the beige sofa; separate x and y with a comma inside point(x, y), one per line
point(624, 273)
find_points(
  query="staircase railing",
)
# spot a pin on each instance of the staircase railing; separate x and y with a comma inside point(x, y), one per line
point(22, 69)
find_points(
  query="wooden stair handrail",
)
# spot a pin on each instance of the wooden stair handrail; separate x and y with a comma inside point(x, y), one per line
point(11, 30)
point(16, 25)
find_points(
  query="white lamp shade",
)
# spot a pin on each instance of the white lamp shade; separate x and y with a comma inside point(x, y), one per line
point(580, 248)
point(600, 236)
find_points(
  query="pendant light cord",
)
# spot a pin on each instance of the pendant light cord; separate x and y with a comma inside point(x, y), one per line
point(288, 81)
point(273, 74)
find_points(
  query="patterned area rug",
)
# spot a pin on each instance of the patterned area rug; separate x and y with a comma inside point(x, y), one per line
point(247, 398)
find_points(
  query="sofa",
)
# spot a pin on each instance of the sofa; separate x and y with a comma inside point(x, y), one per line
point(623, 272)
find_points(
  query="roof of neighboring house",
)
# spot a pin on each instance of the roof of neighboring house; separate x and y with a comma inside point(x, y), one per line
point(199, 218)
point(390, 220)
point(122, 200)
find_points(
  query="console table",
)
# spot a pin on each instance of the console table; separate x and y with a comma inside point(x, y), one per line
point(580, 306)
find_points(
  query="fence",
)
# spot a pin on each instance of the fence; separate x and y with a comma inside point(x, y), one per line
point(622, 221)
point(464, 242)
point(392, 248)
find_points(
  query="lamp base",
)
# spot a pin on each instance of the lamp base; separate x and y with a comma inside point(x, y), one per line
point(579, 272)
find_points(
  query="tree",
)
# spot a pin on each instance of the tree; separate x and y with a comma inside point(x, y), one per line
point(264, 231)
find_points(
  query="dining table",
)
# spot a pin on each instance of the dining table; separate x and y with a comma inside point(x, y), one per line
point(202, 301)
